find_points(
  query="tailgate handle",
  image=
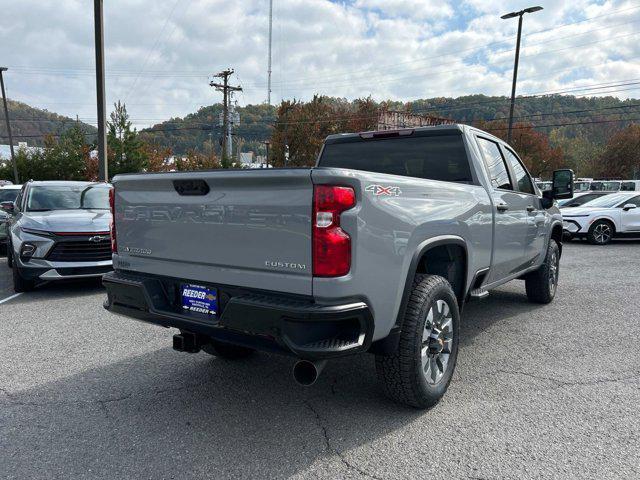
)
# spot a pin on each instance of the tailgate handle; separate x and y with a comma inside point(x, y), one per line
point(191, 187)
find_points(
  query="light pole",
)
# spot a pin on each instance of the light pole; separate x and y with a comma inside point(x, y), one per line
point(103, 169)
point(6, 117)
point(519, 14)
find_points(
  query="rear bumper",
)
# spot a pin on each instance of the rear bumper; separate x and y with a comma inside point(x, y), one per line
point(260, 320)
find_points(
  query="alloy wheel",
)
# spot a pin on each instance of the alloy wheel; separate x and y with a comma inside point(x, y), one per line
point(554, 270)
point(437, 341)
point(602, 233)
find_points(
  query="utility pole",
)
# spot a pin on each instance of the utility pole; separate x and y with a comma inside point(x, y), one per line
point(270, 40)
point(226, 90)
point(103, 170)
point(6, 117)
point(519, 14)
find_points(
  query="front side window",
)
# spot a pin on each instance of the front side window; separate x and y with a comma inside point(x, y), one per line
point(522, 177)
point(43, 198)
point(628, 186)
point(633, 201)
point(497, 169)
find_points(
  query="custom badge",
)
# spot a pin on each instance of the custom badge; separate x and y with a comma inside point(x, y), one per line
point(384, 190)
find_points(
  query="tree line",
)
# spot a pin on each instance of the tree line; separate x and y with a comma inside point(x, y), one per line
point(296, 133)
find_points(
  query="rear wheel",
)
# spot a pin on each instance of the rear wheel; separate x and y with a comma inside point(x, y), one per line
point(542, 284)
point(601, 232)
point(227, 351)
point(418, 374)
point(20, 284)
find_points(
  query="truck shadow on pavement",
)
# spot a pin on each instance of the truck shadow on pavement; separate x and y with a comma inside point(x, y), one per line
point(164, 414)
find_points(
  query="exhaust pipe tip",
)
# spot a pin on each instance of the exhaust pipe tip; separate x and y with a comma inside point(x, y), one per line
point(306, 372)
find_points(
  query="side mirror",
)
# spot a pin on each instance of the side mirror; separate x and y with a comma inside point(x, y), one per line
point(562, 184)
point(8, 207)
point(629, 206)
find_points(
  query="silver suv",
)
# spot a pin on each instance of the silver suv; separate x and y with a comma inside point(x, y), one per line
point(59, 230)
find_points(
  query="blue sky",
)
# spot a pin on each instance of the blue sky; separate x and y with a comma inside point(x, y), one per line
point(160, 55)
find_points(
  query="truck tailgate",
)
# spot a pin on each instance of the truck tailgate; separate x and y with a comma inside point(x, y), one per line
point(248, 228)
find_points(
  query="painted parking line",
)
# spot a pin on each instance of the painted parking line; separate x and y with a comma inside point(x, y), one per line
point(4, 300)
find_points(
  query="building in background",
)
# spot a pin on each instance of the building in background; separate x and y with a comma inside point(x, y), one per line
point(394, 119)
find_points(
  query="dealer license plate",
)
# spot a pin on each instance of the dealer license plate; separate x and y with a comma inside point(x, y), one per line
point(196, 298)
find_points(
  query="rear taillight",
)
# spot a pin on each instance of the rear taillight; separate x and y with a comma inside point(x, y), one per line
point(112, 226)
point(331, 244)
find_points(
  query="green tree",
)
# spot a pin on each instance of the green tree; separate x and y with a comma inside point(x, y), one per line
point(63, 158)
point(125, 149)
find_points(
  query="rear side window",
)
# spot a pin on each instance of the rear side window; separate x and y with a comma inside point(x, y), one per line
point(498, 173)
point(431, 157)
point(628, 186)
point(522, 177)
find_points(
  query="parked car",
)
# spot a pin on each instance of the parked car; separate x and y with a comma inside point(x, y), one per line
point(580, 199)
point(582, 185)
point(544, 186)
point(4, 228)
point(630, 186)
point(602, 219)
point(375, 249)
point(5, 182)
point(605, 185)
point(59, 230)
point(8, 195)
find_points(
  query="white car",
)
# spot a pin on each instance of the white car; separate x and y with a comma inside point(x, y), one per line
point(600, 220)
point(580, 199)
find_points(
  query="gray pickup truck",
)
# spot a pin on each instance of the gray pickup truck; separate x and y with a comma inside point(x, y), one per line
point(376, 249)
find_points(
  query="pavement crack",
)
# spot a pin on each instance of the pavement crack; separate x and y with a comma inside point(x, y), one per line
point(563, 383)
point(329, 448)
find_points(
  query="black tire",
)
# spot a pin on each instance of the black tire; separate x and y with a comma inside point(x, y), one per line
point(9, 255)
point(227, 351)
point(601, 232)
point(541, 285)
point(20, 284)
point(404, 376)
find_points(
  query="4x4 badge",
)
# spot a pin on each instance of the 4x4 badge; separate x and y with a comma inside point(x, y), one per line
point(382, 190)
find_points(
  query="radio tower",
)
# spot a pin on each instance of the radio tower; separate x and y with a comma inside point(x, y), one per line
point(270, 39)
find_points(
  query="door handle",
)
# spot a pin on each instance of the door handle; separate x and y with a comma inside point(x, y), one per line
point(531, 208)
point(502, 207)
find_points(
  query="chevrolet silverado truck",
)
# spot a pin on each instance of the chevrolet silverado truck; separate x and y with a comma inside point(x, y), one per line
point(375, 249)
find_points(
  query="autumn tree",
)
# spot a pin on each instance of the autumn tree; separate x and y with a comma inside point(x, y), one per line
point(621, 155)
point(532, 146)
point(158, 158)
point(303, 126)
point(194, 160)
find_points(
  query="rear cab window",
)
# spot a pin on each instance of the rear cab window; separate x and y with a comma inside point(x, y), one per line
point(433, 157)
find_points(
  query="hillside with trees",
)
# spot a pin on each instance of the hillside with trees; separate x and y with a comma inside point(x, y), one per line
point(596, 137)
point(32, 125)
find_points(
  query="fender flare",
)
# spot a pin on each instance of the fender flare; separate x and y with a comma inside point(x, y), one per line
point(421, 249)
point(389, 344)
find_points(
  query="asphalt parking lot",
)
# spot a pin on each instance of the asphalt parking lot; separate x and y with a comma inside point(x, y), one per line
point(539, 392)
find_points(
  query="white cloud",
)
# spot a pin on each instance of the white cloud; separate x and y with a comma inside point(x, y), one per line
point(159, 55)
